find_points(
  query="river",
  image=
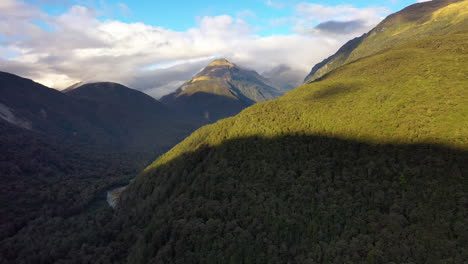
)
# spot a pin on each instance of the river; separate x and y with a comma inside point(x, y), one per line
point(113, 195)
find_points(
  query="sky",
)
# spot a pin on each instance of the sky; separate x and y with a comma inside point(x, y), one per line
point(155, 45)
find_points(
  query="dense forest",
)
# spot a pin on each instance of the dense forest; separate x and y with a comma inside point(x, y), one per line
point(300, 199)
point(49, 189)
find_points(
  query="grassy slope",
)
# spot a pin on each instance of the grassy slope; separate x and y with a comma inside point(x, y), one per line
point(415, 22)
point(420, 20)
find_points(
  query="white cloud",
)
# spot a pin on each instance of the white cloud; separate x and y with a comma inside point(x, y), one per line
point(124, 9)
point(274, 4)
point(77, 46)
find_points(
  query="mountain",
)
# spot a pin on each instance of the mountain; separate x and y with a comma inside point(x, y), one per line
point(71, 87)
point(365, 165)
point(103, 114)
point(135, 120)
point(44, 110)
point(414, 22)
point(220, 90)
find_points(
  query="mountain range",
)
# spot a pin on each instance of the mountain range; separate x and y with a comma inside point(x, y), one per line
point(106, 114)
point(131, 118)
point(364, 163)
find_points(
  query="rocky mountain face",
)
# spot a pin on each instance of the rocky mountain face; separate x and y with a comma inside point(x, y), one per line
point(220, 90)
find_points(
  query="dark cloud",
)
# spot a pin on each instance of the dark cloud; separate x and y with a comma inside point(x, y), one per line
point(340, 27)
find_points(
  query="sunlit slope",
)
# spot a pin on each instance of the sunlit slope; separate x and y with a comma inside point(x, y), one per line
point(415, 93)
point(418, 21)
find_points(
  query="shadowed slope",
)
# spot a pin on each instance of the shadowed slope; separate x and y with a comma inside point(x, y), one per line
point(48, 111)
point(135, 120)
point(302, 199)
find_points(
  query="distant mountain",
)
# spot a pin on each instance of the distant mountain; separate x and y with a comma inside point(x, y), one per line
point(71, 87)
point(220, 90)
point(414, 22)
point(135, 120)
point(44, 110)
point(104, 114)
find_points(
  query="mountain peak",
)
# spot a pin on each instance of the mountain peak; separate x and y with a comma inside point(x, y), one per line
point(221, 62)
point(220, 90)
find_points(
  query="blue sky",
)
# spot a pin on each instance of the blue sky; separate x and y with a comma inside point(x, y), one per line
point(155, 45)
point(181, 15)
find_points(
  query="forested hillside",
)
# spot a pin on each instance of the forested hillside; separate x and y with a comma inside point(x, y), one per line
point(367, 165)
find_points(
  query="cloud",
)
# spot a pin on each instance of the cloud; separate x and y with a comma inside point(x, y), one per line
point(77, 46)
point(352, 20)
point(124, 9)
point(284, 77)
point(340, 27)
point(275, 4)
